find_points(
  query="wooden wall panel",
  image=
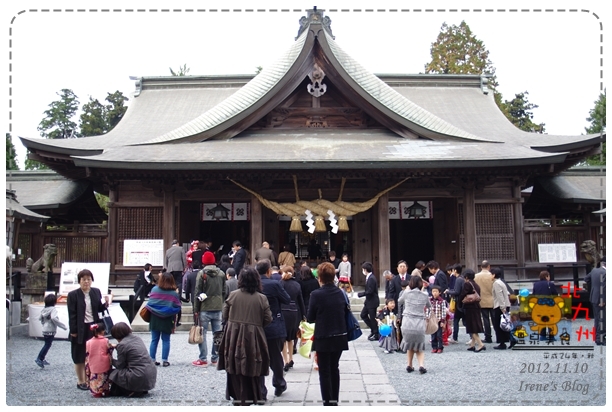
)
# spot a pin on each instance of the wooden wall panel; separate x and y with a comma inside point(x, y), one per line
point(446, 231)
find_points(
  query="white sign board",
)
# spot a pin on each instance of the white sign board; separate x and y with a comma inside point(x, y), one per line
point(138, 252)
point(557, 252)
point(70, 270)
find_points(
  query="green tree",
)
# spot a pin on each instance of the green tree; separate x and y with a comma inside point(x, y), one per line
point(258, 69)
point(98, 119)
point(115, 109)
point(11, 154)
point(458, 51)
point(102, 201)
point(519, 112)
point(182, 71)
point(93, 119)
point(597, 118)
point(58, 123)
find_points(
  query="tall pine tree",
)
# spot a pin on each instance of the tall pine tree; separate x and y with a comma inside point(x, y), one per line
point(457, 50)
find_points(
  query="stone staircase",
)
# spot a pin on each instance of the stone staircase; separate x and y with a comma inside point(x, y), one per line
point(139, 325)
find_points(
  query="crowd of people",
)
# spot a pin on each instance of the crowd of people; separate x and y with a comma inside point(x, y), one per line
point(263, 304)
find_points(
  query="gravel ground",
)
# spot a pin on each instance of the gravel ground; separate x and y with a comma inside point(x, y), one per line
point(492, 377)
point(25, 382)
point(455, 377)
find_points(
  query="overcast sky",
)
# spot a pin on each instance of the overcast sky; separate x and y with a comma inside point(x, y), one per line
point(555, 56)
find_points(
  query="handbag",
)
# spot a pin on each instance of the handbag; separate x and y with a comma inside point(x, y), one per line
point(196, 334)
point(431, 325)
point(472, 297)
point(353, 330)
point(505, 322)
point(453, 305)
point(218, 337)
point(108, 322)
point(145, 314)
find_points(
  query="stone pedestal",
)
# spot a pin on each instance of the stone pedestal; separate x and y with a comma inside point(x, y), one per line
point(36, 280)
point(31, 295)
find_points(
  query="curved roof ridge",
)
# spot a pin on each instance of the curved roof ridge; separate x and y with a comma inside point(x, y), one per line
point(245, 97)
point(392, 99)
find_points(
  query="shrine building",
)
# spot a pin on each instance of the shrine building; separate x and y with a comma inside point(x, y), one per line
point(390, 167)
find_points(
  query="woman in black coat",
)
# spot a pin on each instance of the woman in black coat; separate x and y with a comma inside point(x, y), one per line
point(293, 313)
point(308, 283)
point(84, 304)
point(472, 315)
point(327, 310)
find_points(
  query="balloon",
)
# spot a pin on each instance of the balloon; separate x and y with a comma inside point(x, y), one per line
point(524, 293)
point(385, 330)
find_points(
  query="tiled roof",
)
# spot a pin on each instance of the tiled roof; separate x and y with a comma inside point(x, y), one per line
point(248, 95)
point(393, 100)
point(14, 208)
point(308, 149)
point(44, 189)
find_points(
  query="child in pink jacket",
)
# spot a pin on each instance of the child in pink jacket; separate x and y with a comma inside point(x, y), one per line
point(98, 361)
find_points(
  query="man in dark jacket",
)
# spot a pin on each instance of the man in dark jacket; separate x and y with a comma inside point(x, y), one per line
point(145, 280)
point(597, 296)
point(368, 313)
point(239, 256)
point(190, 282)
point(395, 284)
point(276, 332)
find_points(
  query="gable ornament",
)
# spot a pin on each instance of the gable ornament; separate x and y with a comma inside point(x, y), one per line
point(316, 88)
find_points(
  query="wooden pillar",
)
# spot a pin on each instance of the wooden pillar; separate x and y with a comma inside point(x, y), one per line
point(256, 226)
point(469, 222)
point(383, 245)
point(519, 234)
point(362, 245)
point(113, 214)
point(168, 218)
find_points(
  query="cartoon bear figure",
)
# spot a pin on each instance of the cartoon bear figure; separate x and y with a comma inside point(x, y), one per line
point(545, 314)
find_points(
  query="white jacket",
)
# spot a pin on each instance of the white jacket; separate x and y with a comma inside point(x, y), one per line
point(49, 319)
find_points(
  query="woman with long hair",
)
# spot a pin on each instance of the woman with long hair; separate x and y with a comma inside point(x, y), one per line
point(164, 304)
point(293, 313)
point(471, 311)
point(245, 314)
point(415, 303)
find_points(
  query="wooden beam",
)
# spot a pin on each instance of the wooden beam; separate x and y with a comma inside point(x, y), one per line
point(519, 235)
point(113, 196)
point(168, 218)
point(384, 239)
point(256, 226)
point(469, 222)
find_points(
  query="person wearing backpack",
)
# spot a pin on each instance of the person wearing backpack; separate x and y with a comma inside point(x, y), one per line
point(209, 295)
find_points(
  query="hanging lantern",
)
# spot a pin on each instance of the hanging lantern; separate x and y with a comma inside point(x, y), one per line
point(220, 212)
point(342, 224)
point(296, 224)
point(416, 210)
point(320, 224)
